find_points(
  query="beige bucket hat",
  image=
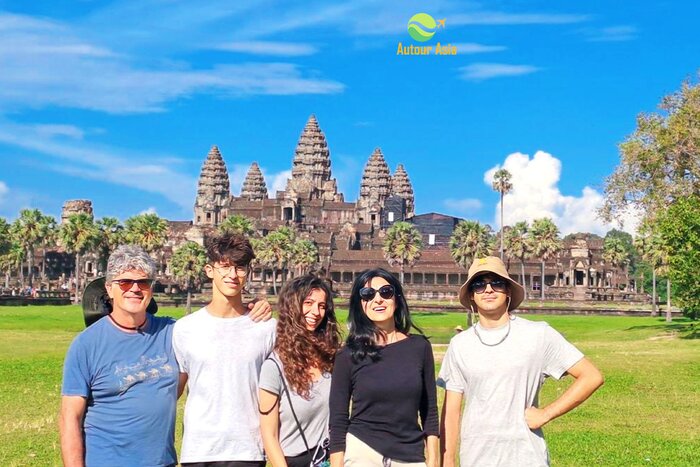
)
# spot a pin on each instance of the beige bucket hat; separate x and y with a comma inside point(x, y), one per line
point(494, 265)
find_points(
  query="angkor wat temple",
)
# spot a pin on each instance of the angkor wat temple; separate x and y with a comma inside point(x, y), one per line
point(349, 235)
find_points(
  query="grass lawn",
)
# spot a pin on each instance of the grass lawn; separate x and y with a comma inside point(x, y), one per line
point(646, 414)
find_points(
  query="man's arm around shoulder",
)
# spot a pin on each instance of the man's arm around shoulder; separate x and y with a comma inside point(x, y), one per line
point(70, 426)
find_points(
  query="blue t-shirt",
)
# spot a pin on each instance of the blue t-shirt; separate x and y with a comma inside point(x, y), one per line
point(130, 383)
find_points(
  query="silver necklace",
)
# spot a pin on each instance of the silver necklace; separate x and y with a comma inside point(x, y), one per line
point(497, 343)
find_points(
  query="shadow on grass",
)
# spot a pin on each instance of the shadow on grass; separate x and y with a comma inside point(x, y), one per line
point(685, 327)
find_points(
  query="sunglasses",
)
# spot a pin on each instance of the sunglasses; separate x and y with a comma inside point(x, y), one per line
point(479, 286)
point(126, 284)
point(385, 291)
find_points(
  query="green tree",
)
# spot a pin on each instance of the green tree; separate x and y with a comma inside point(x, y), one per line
point(276, 251)
point(679, 228)
point(616, 255)
point(304, 255)
point(659, 161)
point(187, 263)
point(238, 224)
point(27, 229)
point(470, 240)
point(544, 243)
point(148, 231)
point(518, 245)
point(403, 246)
point(11, 260)
point(5, 238)
point(111, 236)
point(49, 237)
point(501, 184)
point(78, 234)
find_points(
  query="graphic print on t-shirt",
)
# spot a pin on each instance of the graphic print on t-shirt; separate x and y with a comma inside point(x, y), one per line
point(145, 368)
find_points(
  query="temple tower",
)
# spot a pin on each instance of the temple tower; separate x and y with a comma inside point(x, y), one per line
point(254, 187)
point(213, 191)
point(374, 189)
point(401, 186)
point(76, 206)
point(311, 167)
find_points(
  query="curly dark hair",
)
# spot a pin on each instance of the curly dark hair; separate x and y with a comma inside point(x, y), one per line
point(229, 248)
point(298, 348)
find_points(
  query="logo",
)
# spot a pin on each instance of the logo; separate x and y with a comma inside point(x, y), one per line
point(422, 27)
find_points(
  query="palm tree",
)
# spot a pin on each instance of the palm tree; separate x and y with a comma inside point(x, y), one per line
point(238, 224)
point(545, 243)
point(148, 231)
point(49, 236)
point(304, 255)
point(518, 245)
point(11, 260)
point(651, 250)
point(28, 231)
point(187, 263)
point(470, 240)
point(501, 183)
point(403, 245)
point(615, 254)
point(278, 247)
point(111, 236)
point(263, 258)
point(78, 234)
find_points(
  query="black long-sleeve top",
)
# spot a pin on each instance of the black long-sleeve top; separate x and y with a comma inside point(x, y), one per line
point(387, 395)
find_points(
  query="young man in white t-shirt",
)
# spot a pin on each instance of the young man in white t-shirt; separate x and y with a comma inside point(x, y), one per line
point(499, 365)
point(220, 351)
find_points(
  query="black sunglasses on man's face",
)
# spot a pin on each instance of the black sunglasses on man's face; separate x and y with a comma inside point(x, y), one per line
point(479, 285)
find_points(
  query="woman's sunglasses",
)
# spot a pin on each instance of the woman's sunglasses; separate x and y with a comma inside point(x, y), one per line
point(385, 291)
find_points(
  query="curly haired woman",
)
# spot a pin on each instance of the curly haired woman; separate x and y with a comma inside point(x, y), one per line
point(295, 381)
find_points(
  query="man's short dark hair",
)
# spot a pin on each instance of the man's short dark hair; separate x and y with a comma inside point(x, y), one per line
point(230, 248)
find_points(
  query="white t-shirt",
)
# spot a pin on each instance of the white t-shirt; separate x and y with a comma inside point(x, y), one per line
point(222, 358)
point(499, 383)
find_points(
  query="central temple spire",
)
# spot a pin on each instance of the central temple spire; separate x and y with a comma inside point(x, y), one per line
point(311, 167)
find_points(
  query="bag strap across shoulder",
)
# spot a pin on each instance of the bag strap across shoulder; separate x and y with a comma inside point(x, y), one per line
point(289, 399)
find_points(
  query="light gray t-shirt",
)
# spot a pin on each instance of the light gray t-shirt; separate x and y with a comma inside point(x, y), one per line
point(222, 358)
point(312, 413)
point(499, 383)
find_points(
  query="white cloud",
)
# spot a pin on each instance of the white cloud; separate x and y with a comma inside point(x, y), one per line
point(46, 63)
point(466, 48)
point(149, 210)
point(611, 34)
point(503, 19)
point(106, 164)
point(484, 71)
point(536, 194)
point(4, 190)
point(463, 207)
point(284, 49)
point(279, 182)
point(69, 131)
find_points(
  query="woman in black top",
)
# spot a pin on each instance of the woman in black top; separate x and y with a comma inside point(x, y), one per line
point(389, 375)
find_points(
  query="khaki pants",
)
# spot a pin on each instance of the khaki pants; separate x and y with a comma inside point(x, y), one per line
point(358, 454)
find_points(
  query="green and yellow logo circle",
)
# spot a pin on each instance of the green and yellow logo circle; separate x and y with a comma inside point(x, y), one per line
point(422, 27)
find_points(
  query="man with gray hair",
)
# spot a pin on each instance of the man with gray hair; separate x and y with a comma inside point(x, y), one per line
point(120, 376)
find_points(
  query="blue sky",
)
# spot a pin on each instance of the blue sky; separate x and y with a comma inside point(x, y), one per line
point(119, 102)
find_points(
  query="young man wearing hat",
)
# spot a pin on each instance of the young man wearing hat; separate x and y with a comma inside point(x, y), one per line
point(499, 365)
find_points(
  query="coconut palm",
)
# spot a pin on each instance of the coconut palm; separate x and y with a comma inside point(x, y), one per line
point(501, 184)
point(544, 243)
point(651, 250)
point(188, 263)
point(403, 246)
point(470, 240)
point(517, 245)
point(238, 224)
point(78, 234)
point(304, 255)
point(277, 249)
point(111, 236)
point(28, 230)
point(615, 254)
point(49, 237)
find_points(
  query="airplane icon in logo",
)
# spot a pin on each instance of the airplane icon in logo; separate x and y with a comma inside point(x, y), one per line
point(441, 23)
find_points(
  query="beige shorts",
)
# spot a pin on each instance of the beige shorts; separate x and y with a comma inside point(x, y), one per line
point(358, 454)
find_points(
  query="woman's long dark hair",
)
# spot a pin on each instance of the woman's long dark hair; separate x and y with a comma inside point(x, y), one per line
point(363, 333)
point(298, 348)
